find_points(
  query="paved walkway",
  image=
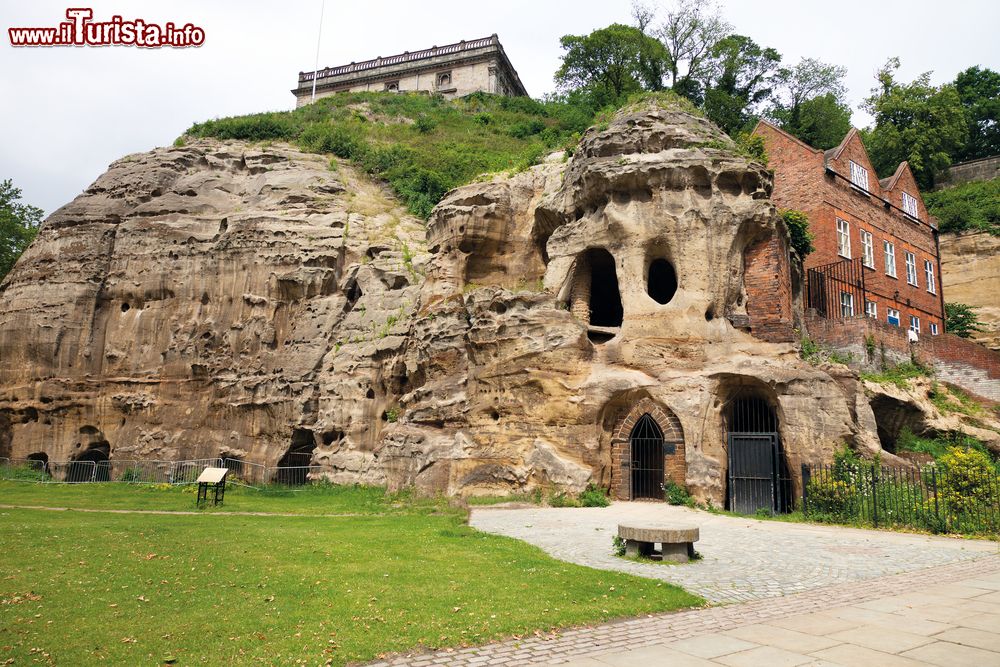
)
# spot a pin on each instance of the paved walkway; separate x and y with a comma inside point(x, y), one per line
point(743, 559)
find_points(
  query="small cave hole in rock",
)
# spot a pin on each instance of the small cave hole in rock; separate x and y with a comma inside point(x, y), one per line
point(293, 467)
point(233, 463)
point(894, 417)
point(595, 295)
point(353, 293)
point(710, 314)
point(330, 437)
point(495, 415)
point(39, 462)
point(126, 307)
point(370, 393)
point(661, 283)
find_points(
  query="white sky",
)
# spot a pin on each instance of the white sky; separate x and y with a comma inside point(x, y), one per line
point(68, 112)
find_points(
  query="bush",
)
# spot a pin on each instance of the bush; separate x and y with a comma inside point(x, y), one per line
point(675, 494)
point(961, 319)
point(617, 546)
point(798, 231)
point(966, 488)
point(594, 496)
point(562, 499)
point(973, 205)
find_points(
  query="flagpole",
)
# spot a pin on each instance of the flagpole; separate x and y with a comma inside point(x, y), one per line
point(319, 38)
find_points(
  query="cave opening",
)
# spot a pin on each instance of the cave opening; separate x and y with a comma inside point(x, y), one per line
point(758, 476)
point(605, 298)
point(39, 461)
point(661, 281)
point(894, 417)
point(293, 467)
point(92, 464)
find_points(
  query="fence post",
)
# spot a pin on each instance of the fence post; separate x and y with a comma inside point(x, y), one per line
point(806, 478)
point(937, 510)
point(875, 495)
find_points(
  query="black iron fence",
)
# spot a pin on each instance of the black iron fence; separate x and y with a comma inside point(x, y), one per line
point(837, 290)
point(941, 500)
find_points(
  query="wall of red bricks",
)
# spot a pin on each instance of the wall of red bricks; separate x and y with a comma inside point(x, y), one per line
point(767, 278)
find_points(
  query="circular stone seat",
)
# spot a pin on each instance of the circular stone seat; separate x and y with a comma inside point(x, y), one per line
point(676, 540)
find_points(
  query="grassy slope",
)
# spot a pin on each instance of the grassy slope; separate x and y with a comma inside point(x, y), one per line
point(135, 589)
point(421, 145)
point(967, 206)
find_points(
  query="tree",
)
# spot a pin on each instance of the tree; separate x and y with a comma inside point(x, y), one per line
point(979, 90)
point(917, 122)
point(809, 103)
point(18, 225)
point(688, 33)
point(741, 77)
point(610, 63)
point(822, 122)
point(961, 319)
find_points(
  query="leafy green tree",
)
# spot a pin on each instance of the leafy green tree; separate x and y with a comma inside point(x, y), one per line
point(18, 225)
point(742, 76)
point(809, 103)
point(979, 90)
point(973, 205)
point(961, 319)
point(610, 63)
point(822, 122)
point(689, 32)
point(916, 121)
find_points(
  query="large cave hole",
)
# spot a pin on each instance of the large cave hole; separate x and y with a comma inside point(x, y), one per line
point(293, 468)
point(92, 464)
point(39, 462)
point(595, 294)
point(661, 281)
point(894, 417)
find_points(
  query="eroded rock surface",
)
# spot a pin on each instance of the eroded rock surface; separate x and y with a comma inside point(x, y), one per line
point(222, 299)
point(970, 262)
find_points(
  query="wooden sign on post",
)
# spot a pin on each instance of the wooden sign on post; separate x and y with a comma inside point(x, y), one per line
point(212, 478)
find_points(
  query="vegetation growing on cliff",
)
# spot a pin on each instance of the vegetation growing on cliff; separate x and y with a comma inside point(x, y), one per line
point(18, 225)
point(421, 145)
point(973, 205)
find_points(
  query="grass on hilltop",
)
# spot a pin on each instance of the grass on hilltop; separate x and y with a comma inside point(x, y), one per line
point(974, 205)
point(86, 588)
point(422, 145)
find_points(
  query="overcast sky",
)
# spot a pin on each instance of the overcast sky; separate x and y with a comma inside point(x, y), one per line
point(68, 112)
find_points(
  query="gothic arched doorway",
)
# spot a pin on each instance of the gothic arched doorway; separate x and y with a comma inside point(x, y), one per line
point(646, 446)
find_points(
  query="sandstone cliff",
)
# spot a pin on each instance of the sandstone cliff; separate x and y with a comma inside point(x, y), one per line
point(226, 299)
point(970, 262)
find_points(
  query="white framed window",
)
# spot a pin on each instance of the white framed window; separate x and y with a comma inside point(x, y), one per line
point(890, 258)
point(871, 309)
point(929, 275)
point(868, 249)
point(892, 317)
point(911, 268)
point(934, 329)
point(843, 238)
point(859, 175)
point(914, 324)
point(910, 204)
point(846, 304)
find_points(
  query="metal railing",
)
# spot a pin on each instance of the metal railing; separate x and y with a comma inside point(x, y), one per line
point(940, 500)
point(827, 285)
point(153, 472)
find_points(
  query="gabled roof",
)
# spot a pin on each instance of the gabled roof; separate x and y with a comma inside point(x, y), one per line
point(786, 134)
point(890, 183)
point(834, 153)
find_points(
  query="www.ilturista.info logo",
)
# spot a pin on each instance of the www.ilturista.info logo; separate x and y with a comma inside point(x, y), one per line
point(80, 30)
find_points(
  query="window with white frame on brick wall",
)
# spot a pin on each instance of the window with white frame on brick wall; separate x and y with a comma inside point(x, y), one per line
point(914, 324)
point(892, 317)
point(890, 258)
point(846, 304)
point(929, 275)
point(911, 268)
point(909, 204)
point(868, 249)
point(871, 309)
point(859, 175)
point(843, 238)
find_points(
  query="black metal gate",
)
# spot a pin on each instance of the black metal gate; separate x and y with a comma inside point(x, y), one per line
point(755, 473)
point(646, 444)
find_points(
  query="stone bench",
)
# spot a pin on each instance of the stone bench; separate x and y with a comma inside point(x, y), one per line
point(676, 541)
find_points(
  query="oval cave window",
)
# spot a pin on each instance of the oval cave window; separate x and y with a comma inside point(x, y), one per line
point(661, 283)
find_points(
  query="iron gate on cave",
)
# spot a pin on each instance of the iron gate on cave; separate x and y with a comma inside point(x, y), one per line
point(647, 451)
point(758, 476)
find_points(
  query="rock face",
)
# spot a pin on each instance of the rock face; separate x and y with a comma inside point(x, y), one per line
point(970, 262)
point(221, 299)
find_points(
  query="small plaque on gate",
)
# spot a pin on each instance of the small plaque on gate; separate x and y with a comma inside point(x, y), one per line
point(669, 448)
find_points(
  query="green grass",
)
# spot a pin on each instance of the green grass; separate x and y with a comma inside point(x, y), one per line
point(898, 375)
point(973, 205)
point(422, 145)
point(84, 588)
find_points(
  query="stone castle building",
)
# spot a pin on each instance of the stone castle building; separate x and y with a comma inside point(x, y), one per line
point(453, 70)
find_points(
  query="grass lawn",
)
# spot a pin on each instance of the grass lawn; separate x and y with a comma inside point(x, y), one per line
point(81, 588)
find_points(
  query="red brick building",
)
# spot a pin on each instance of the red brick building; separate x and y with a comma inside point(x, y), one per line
point(876, 248)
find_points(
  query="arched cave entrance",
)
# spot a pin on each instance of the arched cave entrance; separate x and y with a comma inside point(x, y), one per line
point(293, 468)
point(646, 446)
point(39, 462)
point(91, 465)
point(595, 297)
point(661, 281)
point(232, 463)
point(758, 476)
point(892, 417)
